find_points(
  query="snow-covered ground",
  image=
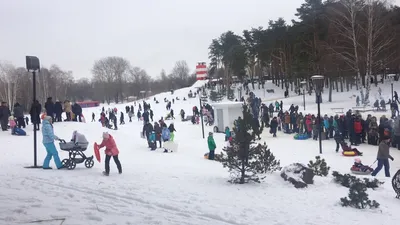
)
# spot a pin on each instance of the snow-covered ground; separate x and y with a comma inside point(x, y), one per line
point(182, 188)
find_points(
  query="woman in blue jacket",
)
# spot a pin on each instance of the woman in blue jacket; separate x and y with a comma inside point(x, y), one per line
point(48, 142)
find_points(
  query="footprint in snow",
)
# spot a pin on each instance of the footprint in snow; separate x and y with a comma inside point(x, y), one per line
point(95, 218)
point(19, 211)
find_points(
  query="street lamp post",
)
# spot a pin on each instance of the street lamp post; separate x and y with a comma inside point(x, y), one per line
point(391, 77)
point(303, 85)
point(318, 81)
point(33, 65)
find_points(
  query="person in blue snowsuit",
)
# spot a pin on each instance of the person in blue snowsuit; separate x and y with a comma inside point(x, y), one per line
point(48, 142)
point(165, 134)
point(152, 140)
point(327, 126)
point(227, 133)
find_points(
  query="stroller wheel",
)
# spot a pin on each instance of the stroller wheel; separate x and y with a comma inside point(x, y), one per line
point(71, 165)
point(65, 162)
point(89, 163)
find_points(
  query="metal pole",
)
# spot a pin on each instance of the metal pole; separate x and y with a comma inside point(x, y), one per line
point(319, 124)
point(201, 115)
point(304, 99)
point(37, 122)
point(392, 90)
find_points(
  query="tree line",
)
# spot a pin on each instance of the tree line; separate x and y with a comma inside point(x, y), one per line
point(348, 41)
point(114, 80)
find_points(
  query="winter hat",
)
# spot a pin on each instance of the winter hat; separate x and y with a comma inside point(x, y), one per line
point(106, 135)
point(11, 118)
point(210, 133)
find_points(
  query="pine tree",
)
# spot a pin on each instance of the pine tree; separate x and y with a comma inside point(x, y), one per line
point(246, 160)
point(347, 180)
point(358, 197)
point(319, 167)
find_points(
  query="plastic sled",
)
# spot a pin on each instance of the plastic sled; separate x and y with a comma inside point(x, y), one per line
point(301, 137)
point(171, 146)
point(357, 172)
point(97, 152)
point(349, 153)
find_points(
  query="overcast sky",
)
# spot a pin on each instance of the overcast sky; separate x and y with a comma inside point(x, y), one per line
point(151, 34)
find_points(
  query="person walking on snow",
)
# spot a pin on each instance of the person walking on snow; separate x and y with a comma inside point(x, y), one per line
point(383, 157)
point(48, 142)
point(111, 151)
point(151, 115)
point(171, 129)
point(130, 114)
point(121, 119)
point(211, 146)
point(93, 117)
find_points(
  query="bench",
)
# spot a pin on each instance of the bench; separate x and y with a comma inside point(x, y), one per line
point(338, 110)
point(361, 109)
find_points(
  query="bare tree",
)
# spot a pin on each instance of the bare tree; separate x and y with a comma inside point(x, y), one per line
point(180, 73)
point(379, 40)
point(345, 20)
point(111, 71)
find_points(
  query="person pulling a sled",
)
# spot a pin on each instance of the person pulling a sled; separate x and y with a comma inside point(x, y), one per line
point(383, 157)
point(111, 151)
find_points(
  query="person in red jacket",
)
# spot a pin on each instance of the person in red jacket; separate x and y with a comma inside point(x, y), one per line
point(111, 151)
point(357, 131)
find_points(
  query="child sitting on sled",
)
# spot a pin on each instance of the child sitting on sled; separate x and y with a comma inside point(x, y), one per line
point(345, 148)
point(358, 166)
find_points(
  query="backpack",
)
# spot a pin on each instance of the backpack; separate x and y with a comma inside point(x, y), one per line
point(357, 127)
point(165, 134)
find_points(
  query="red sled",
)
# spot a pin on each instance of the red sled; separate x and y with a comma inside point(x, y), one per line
point(97, 151)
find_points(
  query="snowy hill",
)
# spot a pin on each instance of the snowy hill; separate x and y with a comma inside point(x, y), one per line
point(182, 188)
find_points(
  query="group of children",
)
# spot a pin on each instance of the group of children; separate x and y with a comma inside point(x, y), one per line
point(16, 130)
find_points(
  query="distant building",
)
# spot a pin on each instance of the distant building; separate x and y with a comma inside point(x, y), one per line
point(88, 104)
point(201, 71)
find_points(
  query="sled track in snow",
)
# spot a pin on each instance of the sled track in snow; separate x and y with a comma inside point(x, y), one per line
point(170, 210)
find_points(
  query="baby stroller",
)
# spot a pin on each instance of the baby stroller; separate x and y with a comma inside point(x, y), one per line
point(76, 148)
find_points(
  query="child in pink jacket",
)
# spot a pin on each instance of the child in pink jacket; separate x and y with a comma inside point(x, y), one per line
point(11, 120)
point(111, 151)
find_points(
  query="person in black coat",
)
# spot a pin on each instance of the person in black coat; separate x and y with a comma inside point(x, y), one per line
point(36, 109)
point(339, 139)
point(50, 108)
point(147, 129)
point(158, 131)
point(145, 116)
point(151, 115)
point(273, 126)
point(4, 114)
point(19, 115)
point(58, 111)
point(121, 119)
point(77, 111)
